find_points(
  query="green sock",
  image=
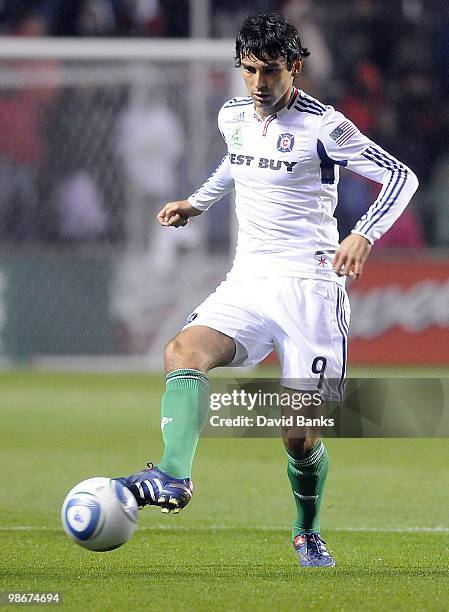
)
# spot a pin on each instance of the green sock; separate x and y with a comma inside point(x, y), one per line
point(307, 477)
point(185, 406)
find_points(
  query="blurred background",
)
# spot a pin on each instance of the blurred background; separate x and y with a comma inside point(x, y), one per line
point(108, 110)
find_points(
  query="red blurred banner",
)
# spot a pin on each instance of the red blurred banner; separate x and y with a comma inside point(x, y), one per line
point(400, 311)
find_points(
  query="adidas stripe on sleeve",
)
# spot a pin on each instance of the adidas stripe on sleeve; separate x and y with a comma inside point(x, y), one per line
point(214, 188)
point(220, 182)
point(345, 145)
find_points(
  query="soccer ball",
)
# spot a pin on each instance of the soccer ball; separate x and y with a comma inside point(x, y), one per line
point(99, 514)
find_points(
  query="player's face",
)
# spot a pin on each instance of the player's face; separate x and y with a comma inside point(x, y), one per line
point(269, 82)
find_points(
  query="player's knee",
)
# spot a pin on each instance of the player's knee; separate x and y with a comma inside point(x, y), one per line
point(298, 447)
point(175, 351)
point(294, 446)
point(179, 353)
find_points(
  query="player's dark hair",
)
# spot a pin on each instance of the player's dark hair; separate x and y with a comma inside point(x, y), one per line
point(269, 36)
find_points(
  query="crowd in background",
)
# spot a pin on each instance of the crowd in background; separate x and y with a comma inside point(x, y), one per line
point(383, 63)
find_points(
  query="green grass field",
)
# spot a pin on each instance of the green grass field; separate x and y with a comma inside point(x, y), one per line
point(385, 515)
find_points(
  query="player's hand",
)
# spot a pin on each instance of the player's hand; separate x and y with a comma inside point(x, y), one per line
point(351, 256)
point(176, 214)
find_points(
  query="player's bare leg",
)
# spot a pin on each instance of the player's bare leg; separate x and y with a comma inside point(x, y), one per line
point(307, 471)
point(185, 405)
point(200, 348)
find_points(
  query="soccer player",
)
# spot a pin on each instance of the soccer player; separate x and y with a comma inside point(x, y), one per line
point(286, 289)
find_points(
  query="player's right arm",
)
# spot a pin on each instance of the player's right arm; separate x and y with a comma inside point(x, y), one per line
point(219, 184)
point(176, 214)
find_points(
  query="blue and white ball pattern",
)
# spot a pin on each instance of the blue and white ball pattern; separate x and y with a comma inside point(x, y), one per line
point(82, 515)
point(99, 514)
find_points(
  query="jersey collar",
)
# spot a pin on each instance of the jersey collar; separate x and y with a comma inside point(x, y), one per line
point(279, 113)
point(295, 94)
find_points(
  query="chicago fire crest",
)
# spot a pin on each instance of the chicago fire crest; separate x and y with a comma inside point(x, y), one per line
point(286, 142)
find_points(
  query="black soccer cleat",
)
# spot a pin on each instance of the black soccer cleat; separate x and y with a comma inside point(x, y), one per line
point(152, 487)
point(311, 551)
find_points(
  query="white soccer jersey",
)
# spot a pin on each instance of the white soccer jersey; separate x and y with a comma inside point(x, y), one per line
point(285, 172)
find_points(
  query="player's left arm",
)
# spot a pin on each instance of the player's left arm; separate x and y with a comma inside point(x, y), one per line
point(352, 255)
point(343, 144)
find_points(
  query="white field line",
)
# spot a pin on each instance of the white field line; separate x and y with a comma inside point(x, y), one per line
point(266, 529)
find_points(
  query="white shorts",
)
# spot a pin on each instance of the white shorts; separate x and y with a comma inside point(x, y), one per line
point(305, 320)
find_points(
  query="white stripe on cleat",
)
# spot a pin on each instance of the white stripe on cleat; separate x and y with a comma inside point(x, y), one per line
point(140, 490)
point(150, 489)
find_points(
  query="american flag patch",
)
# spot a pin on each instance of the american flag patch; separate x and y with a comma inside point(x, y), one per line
point(343, 132)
